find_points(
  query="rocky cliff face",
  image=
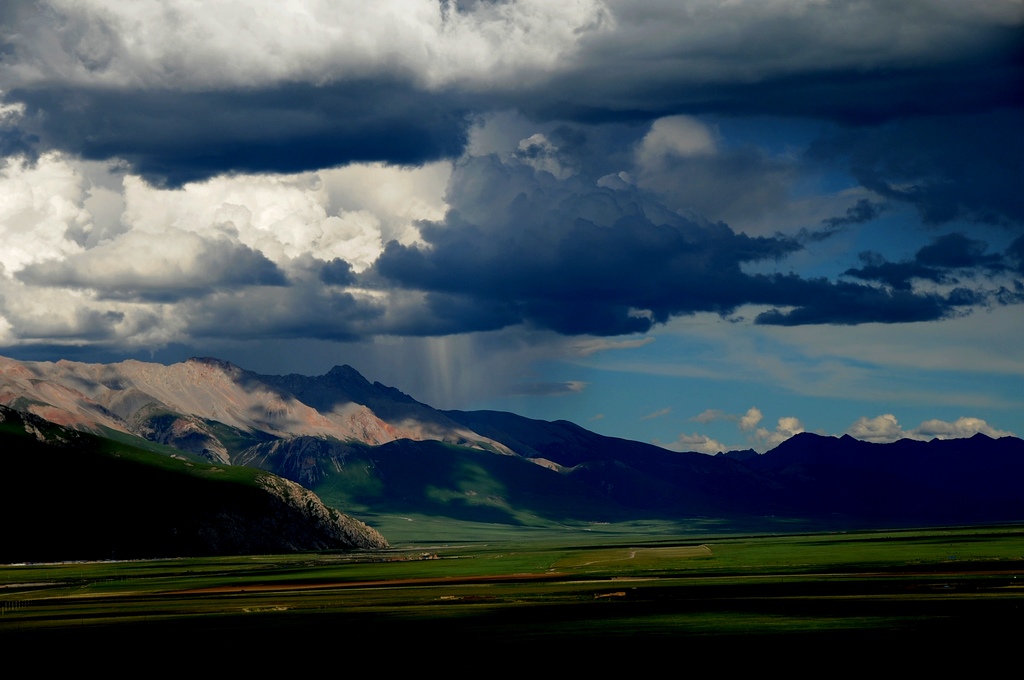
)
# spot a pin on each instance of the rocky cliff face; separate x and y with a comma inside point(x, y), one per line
point(325, 525)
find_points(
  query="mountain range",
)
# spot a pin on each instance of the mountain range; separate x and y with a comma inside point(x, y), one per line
point(372, 450)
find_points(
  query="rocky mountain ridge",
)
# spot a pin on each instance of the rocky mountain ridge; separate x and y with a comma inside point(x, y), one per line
point(214, 408)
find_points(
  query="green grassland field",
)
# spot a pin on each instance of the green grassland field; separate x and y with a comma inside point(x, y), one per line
point(584, 589)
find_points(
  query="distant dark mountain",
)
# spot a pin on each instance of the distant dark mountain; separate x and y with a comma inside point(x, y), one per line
point(370, 448)
point(745, 454)
point(72, 495)
point(636, 475)
point(956, 480)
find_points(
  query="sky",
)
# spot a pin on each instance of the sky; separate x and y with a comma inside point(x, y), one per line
point(708, 224)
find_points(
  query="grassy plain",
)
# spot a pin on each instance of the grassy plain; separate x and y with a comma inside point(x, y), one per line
point(585, 589)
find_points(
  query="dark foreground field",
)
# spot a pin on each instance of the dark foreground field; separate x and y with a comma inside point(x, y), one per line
point(872, 590)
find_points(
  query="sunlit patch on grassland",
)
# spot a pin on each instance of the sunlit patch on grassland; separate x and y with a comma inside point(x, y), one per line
point(634, 557)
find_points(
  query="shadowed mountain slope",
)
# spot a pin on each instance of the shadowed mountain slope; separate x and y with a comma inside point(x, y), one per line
point(975, 479)
point(72, 495)
point(633, 473)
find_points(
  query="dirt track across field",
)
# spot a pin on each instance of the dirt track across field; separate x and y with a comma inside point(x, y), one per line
point(388, 583)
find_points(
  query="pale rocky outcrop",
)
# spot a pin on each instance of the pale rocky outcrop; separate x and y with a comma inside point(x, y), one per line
point(325, 520)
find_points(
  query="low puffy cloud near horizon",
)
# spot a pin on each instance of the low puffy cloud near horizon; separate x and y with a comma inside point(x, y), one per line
point(883, 429)
point(758, 438)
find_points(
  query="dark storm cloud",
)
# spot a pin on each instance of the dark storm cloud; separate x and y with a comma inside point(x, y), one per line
point(92, 93)
point(89, 325)
point(945, 261)
point(571, 258)
point(337, 272)
point(948, 167)
point(172, 137)
point(854, 97)
point(16, 142)
point(920, 102)
point(299, 311)
point(450, 313)
point(862, 211)
point(1015, 254)
point(956, 251)
point(577, 258)
point(747, 59)
point(824, 302)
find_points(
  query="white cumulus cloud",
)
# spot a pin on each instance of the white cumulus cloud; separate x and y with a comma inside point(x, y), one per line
point(190, 45)
point(673, 137)
point(787, 427)
point(710, 415)
point(750, 419)
point(694, 442)
point(885, 428)
point(959, 428)
point(132, 274)
point(41, 205)
point(282, 216)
